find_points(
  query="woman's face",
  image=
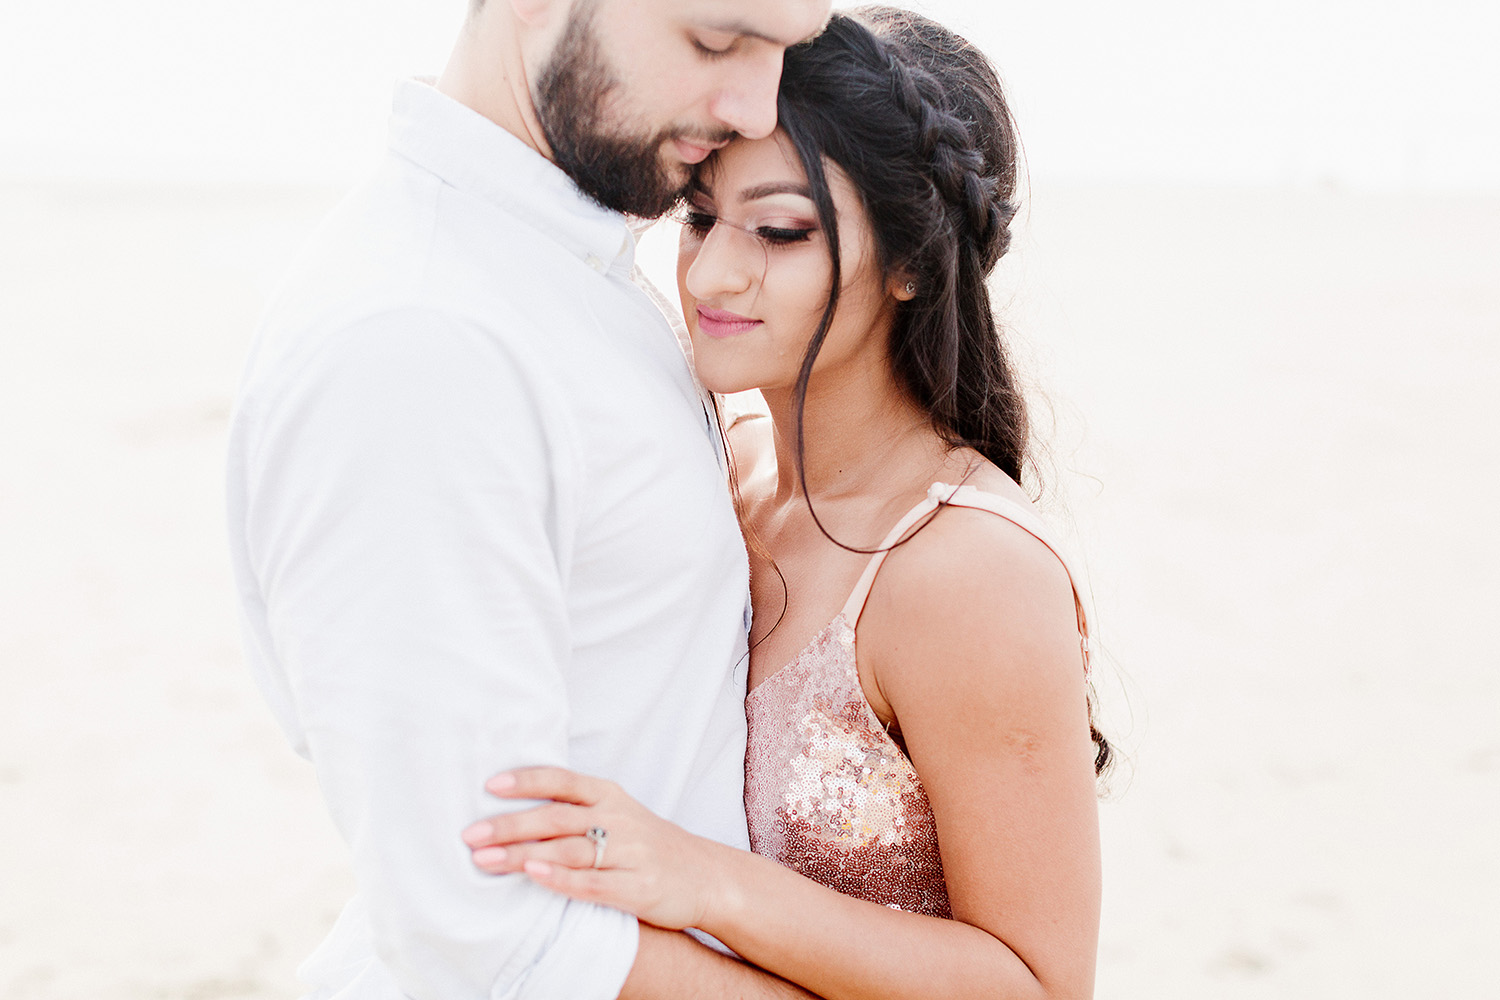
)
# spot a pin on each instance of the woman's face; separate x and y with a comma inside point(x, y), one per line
point(753, 271)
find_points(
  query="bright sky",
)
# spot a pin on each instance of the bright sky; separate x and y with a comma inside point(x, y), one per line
point(1399, 95)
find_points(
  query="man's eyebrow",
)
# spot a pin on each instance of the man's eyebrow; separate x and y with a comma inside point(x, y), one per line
point(775, 187)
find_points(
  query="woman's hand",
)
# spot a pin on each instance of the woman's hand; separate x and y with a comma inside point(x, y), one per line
point(645, 865)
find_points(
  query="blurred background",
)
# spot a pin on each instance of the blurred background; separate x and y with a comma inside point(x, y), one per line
point(1257, 287)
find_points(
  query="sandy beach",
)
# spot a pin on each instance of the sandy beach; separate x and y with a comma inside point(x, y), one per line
point(1272, 417)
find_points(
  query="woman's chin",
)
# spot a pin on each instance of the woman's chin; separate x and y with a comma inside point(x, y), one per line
point(726, 387)
point(721, 379)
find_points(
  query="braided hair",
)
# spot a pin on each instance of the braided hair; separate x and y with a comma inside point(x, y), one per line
point(916, 118)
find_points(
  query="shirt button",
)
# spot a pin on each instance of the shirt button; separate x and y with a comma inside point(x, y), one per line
point(593, 261)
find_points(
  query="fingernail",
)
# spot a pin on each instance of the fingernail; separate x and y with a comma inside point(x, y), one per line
point(540, 869)
point(501, 783)
point(490, 857)
point(477, 834)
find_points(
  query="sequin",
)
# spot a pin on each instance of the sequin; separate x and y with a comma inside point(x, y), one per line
point(829, 793)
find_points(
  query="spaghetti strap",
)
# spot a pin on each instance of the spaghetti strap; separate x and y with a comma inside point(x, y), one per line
point(855, 606)
point(944, 495)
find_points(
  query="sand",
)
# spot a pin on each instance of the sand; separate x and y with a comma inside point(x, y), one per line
point(1275, 432)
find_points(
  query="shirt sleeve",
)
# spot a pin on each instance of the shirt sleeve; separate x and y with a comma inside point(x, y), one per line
point(407, 520)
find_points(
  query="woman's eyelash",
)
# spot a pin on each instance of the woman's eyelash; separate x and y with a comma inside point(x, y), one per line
point(701, 222)
point(779, 236)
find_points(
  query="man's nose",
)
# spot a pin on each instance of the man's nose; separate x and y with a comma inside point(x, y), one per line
point(747, 102)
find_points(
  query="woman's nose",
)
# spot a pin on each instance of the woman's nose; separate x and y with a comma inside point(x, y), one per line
point(722, 263)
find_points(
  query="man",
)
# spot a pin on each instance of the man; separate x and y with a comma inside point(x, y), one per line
point(477, 505)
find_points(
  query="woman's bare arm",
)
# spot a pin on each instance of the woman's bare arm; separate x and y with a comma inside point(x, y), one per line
point(669, 965)
point(970, 639)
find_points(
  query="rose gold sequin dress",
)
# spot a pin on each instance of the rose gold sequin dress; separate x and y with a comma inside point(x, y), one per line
point(828, 792)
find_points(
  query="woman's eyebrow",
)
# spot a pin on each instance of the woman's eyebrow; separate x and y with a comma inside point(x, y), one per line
point(775, 187)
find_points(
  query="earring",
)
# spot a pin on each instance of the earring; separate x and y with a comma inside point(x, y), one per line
point(911, 288)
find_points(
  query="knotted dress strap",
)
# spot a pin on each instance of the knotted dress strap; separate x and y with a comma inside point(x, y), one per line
point(943, 495)
point(855, 606)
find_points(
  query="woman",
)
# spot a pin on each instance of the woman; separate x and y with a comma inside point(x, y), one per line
point(920, 759)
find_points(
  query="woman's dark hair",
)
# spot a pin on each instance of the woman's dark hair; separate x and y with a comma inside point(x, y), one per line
point(916, 118)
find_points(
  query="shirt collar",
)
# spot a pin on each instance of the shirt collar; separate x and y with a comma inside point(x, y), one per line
point(476, 156)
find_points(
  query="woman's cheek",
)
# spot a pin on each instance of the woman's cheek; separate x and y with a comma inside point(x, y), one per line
point(797, 294)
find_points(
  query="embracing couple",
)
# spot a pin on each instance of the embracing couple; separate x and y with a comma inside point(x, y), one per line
point(566, 643)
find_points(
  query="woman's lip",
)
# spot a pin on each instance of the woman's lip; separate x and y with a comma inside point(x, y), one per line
point(719, 323)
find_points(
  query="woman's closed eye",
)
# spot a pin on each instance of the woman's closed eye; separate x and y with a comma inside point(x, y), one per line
point(700, 222)
point(781, 236)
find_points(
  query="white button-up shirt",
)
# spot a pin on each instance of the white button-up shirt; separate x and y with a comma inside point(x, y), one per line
point(479, 520)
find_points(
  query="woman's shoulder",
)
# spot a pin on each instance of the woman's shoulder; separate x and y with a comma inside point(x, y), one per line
point(988, 532)
point(983, 575)
point(974, 610)
point(985, 544)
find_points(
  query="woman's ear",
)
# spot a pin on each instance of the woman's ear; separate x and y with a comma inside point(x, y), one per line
point(901, 287)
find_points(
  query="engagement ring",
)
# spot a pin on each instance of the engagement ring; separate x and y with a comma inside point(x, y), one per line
point(598, 836)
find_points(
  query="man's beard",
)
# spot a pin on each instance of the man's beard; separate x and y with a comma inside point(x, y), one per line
point(620, 171)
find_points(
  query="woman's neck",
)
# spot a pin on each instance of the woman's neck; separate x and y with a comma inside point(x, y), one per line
point(862, 436)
